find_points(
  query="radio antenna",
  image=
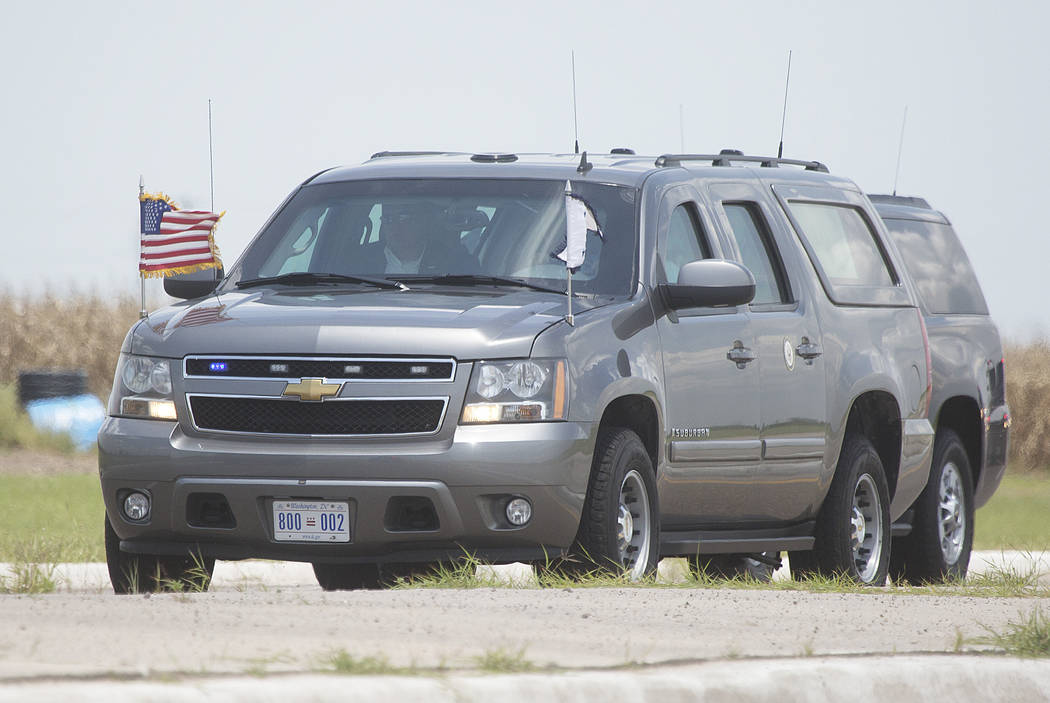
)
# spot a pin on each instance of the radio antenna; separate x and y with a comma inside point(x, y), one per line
point(783, 116)
point(575, 124)
point(681, 126)
point(900, 150)
point(211, 159)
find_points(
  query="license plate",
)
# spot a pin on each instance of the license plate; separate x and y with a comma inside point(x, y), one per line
point(311, 521)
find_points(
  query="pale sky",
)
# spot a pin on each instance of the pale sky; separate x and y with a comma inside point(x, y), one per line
point(96, 94)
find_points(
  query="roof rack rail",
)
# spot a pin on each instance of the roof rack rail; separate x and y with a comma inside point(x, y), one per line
point(385, 154)
point(728, 156)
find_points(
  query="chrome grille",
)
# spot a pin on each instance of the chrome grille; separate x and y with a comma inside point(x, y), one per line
point(333, 417)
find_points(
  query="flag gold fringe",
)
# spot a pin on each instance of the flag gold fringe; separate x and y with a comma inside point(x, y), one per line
point(162, 273)
point(160, 196)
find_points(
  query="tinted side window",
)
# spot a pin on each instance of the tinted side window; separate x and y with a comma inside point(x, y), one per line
point(843, 243)
point(937, 262)
point(685, 242)
point(758, 253)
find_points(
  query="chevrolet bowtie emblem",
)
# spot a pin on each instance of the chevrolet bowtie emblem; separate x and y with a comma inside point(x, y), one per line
point(312, 389)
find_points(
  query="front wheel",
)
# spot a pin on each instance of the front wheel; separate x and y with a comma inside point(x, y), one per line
point(620, 526)
point(941, 539)
point(853, 528)
point(147, 573)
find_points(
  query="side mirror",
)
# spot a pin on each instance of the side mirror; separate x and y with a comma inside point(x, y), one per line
point(710, 283)
point(192, 285)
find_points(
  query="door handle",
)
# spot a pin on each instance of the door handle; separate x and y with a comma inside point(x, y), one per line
point(808, 351)
point(740, 355)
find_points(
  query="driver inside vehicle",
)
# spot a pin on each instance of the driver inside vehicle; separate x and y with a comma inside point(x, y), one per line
point(410, 243)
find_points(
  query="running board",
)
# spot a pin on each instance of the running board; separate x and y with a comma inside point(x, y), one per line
point(690, 543)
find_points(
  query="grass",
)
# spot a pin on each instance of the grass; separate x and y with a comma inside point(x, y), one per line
point(342, 662)
point(1027, 637)
point(1016, 516)
point(501, 661)
point(493, 661)
point(51, 519)
point(31, 572)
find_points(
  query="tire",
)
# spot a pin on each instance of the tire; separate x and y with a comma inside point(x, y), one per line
point(148, 573)
point(347, 577)
point(853, 527)
point(37, 385)
point(939, 545)
point(620, 526)
point(730, 566)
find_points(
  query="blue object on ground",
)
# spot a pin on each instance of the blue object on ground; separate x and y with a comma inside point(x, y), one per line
point(79, 416)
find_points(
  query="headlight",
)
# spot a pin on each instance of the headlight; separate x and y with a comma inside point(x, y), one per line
point(142, 389)
point(516, 391)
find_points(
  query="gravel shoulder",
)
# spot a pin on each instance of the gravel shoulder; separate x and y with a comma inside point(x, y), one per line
point(298, 628)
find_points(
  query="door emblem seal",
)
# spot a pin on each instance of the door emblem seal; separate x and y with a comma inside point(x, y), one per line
point(789, 355)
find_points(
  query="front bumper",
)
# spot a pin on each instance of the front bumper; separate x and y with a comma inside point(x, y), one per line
point(466, 478)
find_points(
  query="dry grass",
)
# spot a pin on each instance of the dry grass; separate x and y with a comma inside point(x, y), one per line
point(1028, 394)
point(85, 332)
point(74, 332)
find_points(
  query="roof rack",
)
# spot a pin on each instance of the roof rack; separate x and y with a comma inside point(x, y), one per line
point(385, 154)
point(729, 155)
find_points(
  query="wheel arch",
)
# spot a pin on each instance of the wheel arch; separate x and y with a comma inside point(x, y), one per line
point(962, 415)
point(876, 415)
point(636, 412)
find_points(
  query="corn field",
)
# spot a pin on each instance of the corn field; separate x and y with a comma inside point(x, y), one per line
point(86, 332)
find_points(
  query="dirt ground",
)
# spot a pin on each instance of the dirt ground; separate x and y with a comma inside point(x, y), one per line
point(35, 463)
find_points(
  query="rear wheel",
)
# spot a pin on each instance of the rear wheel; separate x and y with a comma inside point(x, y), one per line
point(620, 529)
point(938, 547)
point(853, 528)
point(148, 573)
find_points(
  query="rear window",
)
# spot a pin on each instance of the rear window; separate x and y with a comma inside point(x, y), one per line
point(939, 266)
point(843, 243)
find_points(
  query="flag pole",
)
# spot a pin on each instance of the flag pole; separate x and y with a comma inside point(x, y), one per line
point(142, 279)
point(568, 294)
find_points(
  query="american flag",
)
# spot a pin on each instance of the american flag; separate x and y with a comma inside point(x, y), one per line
point(173, 240)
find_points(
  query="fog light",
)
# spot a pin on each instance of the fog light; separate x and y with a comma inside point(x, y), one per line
point(519, 511)
point(136, 506)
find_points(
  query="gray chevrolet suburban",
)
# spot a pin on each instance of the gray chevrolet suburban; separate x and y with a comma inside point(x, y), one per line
point(968, 404)
point(423, 357)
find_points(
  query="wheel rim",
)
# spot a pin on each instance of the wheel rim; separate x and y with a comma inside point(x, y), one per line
point(632, 525)
point(951, 521)
point(866, 529)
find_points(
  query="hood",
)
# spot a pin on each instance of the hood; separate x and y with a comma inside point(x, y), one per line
point(464, 325)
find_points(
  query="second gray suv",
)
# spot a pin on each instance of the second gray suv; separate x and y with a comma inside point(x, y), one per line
point(968, 404)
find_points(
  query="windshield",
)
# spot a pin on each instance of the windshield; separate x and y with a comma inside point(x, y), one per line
point(423, 229)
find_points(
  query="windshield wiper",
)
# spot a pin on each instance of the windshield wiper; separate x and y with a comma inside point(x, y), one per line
point(307, 278)
point(470, 279)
